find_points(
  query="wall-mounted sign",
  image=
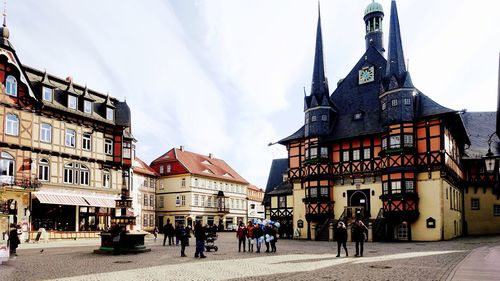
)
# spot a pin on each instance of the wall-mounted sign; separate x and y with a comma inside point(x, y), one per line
point(431, 222)
point(300, 224)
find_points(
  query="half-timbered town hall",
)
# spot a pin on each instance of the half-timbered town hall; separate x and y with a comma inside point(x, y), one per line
point(378, 149)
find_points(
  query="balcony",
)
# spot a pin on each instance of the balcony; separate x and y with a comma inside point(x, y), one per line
point(19, 183)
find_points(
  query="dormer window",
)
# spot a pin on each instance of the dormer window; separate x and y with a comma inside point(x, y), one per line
point(384, 105)
point(394, 102)
point(87, 106)
point(72, 102)
point(110, 114)
point(324, 117)
point(407, 101)
point(358, 116)
point(313, 118)
point(11, 86)
point(47, 94)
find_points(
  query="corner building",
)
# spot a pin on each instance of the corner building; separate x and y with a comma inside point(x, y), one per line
point(65, 150)
point(377, 148)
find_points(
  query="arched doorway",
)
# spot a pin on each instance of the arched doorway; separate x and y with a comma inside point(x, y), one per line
point(360, 199)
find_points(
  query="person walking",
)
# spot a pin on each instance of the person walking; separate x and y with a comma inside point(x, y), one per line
point(168, 232)
point(273, 238)
point(241, 235)
point(155, 233)
point(182, 235)
point(201, 236)
point(266, 236)
point(258, 233)
point(250, 236)
point(13, 241)
point(359, 234)
point(341, 236)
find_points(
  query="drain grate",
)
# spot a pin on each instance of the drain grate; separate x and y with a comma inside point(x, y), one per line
point(380, 266)
point(122, 261)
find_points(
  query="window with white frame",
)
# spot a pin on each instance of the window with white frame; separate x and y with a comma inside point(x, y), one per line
point(281, 202)
point(127, 149)
point(324, 117)
point(356, 155)
point(407, 101)
point(110, 113)
point(108, 147)
point(313, 152)
point(345, 155)
point(384, 106)
point(145, 198)
point(161, 169)
point(313, 118)
point(496, 210)
point(47, 94)
point(408, 140)
point(202, 200)
point(394, 102)
point(385, 189)
point(87, 141)
point(46, 132)
point(183, 182)
point(403, 231)
point(474, 203)
point(209, 201)
point(87, 106)
point(152, 201)
point(161, 202)
point(145, 220)
point(106, 178)
point(195, 199)
point(12, 125)
point(395, 187)
point(11, 86)
point(7, 164)
point(84, 175)
point(70, 137)
point(72, 102)
point(409, 186)
point(366, 153)
point(43, 169)
point(395, 141)
point(323, 152)
point(384, 143)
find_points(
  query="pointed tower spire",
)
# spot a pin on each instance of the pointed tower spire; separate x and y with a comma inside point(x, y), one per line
point(319, 85)
point(395, 57)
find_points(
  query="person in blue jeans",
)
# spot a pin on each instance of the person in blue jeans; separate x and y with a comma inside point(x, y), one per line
point(200, 235)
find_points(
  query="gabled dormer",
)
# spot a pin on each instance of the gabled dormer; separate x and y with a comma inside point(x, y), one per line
point(86, 101)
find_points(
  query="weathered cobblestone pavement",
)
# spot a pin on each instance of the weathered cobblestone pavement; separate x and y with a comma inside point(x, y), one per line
point(295, 260)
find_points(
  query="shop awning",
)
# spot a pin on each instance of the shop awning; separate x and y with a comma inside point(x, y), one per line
point(101, 201)
point(60, 199)
point(78, 199)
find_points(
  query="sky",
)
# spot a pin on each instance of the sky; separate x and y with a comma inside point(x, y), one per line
point(227, 77)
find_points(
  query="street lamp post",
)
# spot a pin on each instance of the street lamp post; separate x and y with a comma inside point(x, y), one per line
point(490, 158)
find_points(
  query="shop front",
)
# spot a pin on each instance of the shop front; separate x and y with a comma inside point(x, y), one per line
point(71, 215)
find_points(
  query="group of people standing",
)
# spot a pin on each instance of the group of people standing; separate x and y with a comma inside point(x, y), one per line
point(183, 233)
point(256, 234)
point(359, 235)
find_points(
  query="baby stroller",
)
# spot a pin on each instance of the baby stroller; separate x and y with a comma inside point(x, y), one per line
point(210, 242)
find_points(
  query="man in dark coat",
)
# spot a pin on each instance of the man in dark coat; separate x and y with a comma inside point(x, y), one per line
point(182, 236)
point(341, 237)
point(200, 235)
point(168, 231)
point(13, 241)
point(359, 231)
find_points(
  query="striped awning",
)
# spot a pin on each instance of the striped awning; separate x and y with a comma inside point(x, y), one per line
point(101, 201)
point(60, 199)
point(78, 199)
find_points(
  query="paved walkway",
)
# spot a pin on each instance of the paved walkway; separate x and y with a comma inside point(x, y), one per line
point(469, 258)
point(482, 264)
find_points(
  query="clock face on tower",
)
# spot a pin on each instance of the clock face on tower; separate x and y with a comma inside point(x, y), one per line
point(366, 74)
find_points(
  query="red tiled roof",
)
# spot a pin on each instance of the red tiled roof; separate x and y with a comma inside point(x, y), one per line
point(202, 165)
point(253, 187)
point(142, 168)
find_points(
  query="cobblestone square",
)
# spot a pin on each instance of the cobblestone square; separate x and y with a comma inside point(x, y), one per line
point(294, 260)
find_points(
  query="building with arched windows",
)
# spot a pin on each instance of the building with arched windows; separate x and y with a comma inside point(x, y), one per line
point(378, 149)
point(65, 150)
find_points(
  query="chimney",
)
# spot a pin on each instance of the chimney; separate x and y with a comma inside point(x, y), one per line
point(69, 79)
point(210, 156)
point(182, 148)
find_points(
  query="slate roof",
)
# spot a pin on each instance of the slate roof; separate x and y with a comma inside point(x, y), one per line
point(284, 188)
point(142, 168)
point(203, 165)
point(480, 126)
point(278, 168)
point(61, 86)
